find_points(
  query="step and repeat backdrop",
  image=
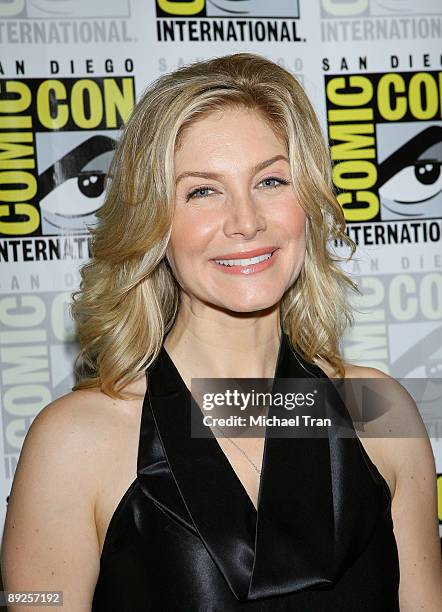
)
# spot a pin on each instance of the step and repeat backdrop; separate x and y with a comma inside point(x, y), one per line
point(70, 74)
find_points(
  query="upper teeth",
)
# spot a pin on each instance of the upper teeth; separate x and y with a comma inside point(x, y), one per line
point(244, 262)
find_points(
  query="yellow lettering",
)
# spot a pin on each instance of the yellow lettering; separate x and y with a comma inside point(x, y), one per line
point(92, 90)
point(350, 114)
point(17, 105)
point(439, 496)
point(440, 89)
point(115, 99)
point(350, 99)
point(419, 82)
point(181, 8)
point(17, 177)
point(360, 166)
point(391, 105)
point(49, 95)
point(361, 213)
point(9, 152)
point(21, 227)
point(11, 122)
point(353, 141)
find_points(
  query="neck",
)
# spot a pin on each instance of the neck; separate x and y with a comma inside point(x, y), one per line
point(209, 343)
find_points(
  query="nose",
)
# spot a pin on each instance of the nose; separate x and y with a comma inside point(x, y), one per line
point(243, 216)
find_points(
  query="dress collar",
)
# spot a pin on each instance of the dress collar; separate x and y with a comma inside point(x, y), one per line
point(316, 504)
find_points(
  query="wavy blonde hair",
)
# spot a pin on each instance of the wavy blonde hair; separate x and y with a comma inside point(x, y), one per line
point(128, 297)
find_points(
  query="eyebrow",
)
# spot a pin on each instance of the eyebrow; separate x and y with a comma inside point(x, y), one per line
point(216, 175)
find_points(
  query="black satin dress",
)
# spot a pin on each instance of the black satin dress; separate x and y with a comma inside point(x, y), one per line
point(186, 537)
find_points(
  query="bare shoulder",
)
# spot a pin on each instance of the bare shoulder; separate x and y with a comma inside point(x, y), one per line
point(356, 371)
point(81, 423)
point(396, 437)
point(399, 408)
point(376, 448)
point(82, 420)
point(351, 370)
point(68, 427)
point(405, 453)
point(398, 416)
point(50, 535)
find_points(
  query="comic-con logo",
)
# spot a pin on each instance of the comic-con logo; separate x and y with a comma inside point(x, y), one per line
point(57, 138)
point(385, 135)
point(228, 8)
point(227, 21)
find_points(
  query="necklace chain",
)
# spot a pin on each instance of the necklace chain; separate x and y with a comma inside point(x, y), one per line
point(256, 468)
point(252, 463)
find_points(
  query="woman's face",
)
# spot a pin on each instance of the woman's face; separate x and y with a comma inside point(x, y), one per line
point(242, 204)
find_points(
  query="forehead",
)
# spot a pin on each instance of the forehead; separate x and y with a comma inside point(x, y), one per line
point(225, 130)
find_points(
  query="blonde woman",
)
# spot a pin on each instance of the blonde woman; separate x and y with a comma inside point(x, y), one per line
point(210, 259)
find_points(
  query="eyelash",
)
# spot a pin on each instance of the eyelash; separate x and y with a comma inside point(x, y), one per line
point(192, 193)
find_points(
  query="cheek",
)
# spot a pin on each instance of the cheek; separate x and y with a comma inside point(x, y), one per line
point(292, 219)
point(293, 225)
point(189, 238)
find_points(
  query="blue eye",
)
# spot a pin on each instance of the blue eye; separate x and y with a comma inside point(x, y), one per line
point(274, 178)
point(193, 194)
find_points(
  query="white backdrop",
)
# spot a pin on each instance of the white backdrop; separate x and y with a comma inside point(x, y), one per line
point(69, 75)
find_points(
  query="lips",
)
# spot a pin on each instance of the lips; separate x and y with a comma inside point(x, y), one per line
point(246, 254)
point(247, 269)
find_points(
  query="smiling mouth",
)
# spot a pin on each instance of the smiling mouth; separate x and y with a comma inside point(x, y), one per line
point(249, 261)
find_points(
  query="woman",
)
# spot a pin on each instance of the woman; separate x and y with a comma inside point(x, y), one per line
point(210, 260)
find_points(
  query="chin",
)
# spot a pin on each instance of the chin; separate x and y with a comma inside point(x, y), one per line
point(245, 306)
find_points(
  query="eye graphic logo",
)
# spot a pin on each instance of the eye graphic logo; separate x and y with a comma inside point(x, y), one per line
point(410, 179)
point(72, 189)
